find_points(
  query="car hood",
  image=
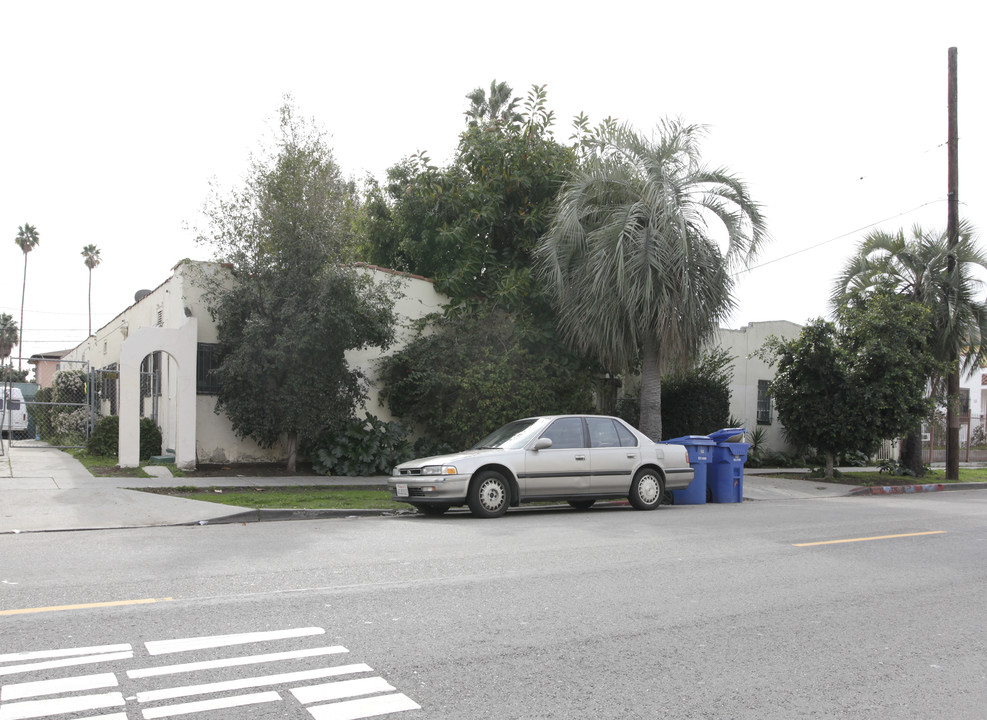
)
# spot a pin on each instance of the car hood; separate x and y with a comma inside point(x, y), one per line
point(451, 458)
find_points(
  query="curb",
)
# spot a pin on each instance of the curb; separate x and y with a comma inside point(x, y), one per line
point(910, 489)
point(275, 515)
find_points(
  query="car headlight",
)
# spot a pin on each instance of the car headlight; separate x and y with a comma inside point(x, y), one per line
point(439, 470)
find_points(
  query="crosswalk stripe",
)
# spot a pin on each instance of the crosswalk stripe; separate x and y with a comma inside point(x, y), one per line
point(59, 706)
point(63, 652)
point(364, 708)
point(203, 705)
point(19, 691)
point(232, 662)
point(341, 689)
point(242, 683)
point(162, 647)
point(13, 669)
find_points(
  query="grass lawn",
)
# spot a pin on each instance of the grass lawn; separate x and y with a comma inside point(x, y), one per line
point(292, 497)
point(106, 465)
point(874, 479)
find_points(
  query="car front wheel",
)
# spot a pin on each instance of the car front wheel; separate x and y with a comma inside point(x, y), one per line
point(489, 494)
point(646, 490)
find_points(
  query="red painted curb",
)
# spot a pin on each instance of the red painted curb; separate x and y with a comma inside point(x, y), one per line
point(906, 489)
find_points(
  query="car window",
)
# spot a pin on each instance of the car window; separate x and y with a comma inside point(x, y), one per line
point(602, 432)
point(512, 435)
point(565, 433)
point(627, 438)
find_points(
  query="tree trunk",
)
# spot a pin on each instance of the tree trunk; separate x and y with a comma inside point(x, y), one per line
point(829, 466)
point(292, 447)
point(911, 452)
point(650, 423)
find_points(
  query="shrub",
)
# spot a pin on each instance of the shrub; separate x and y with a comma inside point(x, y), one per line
point(105, 439)
point(475, 373)
point(363, 447)
point(150, 438)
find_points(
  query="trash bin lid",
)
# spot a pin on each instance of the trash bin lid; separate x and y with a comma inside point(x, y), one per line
point(690, 440)
point(725, 434)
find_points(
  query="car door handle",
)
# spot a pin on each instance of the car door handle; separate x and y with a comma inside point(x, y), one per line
point(632, 456)
point(580, 457)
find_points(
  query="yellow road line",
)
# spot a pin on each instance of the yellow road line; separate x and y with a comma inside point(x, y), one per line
point(876, 537)
point(56, 608)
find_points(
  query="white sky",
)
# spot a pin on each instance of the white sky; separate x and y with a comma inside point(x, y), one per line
point(116, 115)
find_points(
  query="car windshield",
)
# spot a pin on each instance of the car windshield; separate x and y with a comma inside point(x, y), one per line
point(511, 436)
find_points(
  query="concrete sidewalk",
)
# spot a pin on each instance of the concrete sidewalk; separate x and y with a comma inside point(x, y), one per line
point(44, 489)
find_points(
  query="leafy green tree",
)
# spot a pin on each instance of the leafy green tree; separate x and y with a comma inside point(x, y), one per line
point(634, 270)
point(291, 308)
point(27, 239)
point(474, 224)
point(498, 107)
point(915, 266)
point(8, 335)
point(849, 387)
point(471, 373)
point(90, 254)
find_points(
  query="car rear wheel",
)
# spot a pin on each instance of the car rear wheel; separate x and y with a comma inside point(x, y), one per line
point(429, 509)
point(582, 504)
point(646, 490)
point(489, 494)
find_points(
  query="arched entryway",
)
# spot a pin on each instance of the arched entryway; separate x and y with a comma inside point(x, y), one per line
point(180, 344)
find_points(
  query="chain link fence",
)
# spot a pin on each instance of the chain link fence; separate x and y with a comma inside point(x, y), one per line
point(64, 412)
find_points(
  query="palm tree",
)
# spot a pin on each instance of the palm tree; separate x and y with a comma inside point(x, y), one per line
point(916, 266)
point(8, 336)
point(91, 255)
point(27, 239)
point(629, 258)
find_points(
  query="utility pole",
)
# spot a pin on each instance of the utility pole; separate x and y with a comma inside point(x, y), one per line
point(952, 237)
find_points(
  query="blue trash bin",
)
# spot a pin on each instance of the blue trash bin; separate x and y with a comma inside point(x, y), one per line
point(700, 450)
point(725, 477)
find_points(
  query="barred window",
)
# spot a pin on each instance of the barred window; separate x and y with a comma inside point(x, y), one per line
point(763, 403)
point(206, 362)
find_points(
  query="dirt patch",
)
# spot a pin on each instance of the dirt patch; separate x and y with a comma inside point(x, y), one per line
point(249, 470)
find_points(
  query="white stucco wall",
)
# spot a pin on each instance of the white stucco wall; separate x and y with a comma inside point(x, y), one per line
point(180, 298)
point(748, 368)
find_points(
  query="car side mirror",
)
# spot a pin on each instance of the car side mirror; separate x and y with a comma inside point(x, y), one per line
point(542, 443)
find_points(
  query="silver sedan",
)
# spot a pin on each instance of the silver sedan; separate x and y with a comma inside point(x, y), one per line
point(577, 459)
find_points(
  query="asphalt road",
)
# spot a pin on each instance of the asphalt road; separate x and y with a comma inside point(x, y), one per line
point(717, 611)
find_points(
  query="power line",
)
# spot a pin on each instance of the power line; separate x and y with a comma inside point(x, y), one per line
point(838, 237)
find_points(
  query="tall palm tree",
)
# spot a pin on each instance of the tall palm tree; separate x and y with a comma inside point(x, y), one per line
point(91, 255)
point(629, 258)
point(27, 239)
point(916, 265)
point(8, 336)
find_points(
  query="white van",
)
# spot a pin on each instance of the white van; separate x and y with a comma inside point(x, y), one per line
point(13, 412)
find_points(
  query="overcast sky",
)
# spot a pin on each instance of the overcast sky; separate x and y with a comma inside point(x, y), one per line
point(116, 115)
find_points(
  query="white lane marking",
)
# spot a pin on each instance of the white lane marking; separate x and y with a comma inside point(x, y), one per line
point(367, 707)
point(204, 705)
point(111, 716)
point(341, 689)
point(59, 706)
point(175, 692)
point(12, 669)
point(162, 647)
point(64, 652)
point(18, 691)
point(231, 662)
